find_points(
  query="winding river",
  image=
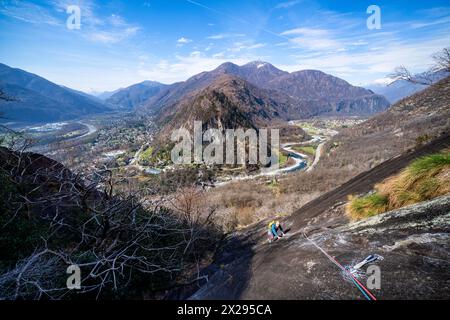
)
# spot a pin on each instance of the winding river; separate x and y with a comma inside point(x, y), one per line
point(300, 162)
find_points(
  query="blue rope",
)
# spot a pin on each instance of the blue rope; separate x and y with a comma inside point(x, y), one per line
point(360, 289)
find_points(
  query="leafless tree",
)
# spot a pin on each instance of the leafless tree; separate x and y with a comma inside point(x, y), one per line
point(111, 237)
point(402, 73)
point(441, 63)
point(442, 60)
point(14, 140)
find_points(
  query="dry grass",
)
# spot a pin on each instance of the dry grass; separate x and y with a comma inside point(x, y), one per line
point(424, 179)
point(245, 216)
point(242, 203)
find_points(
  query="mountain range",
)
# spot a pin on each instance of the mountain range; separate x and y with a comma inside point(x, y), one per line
point(257, 94)
point(274, 94)
point(35, 99)
point(133, 96)
point(309, 92)
point(228, 102)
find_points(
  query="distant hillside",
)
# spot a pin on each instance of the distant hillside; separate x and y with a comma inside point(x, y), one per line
point(424, 114)
point(409, 123)
point(328, 94)
point(322, 93)
point(229, 102)
point(105, 94)
point(87, 95)
point(5, 97)
point(36, 99)
point(133, 96)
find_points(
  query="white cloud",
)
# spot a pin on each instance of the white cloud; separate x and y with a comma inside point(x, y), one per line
point(219, 55)
point(104, 37)
point(418, 25)
point(196, 54)
point(313, 43)
point(29, 12)
point(111, 37)
point(108, 30)
point(313, 39)
point(221, 36)
point(364, 66)
point(359, 43)
point(256, 46)
point(435, 12)
point(287, 4)
point(306, 32)
point(240, 46)
point(381, 81)
point(337, 43)
point(182, 41)
point(183, 67)
point(117, 21)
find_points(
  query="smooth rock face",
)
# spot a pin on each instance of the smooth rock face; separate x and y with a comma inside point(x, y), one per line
point(412, 240)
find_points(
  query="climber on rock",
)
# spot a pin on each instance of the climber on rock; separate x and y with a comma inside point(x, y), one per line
point(275, 230)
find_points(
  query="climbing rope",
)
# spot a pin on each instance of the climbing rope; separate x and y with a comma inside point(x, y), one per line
point(367, 294)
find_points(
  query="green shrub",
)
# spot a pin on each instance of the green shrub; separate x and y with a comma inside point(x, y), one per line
point(367, 206)
point(310, 150)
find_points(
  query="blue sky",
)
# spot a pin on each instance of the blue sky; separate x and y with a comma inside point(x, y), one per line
point(124, 42)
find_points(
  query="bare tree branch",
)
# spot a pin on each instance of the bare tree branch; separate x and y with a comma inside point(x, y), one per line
point(442, 63)
point(442, 60)
point(111, 237)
